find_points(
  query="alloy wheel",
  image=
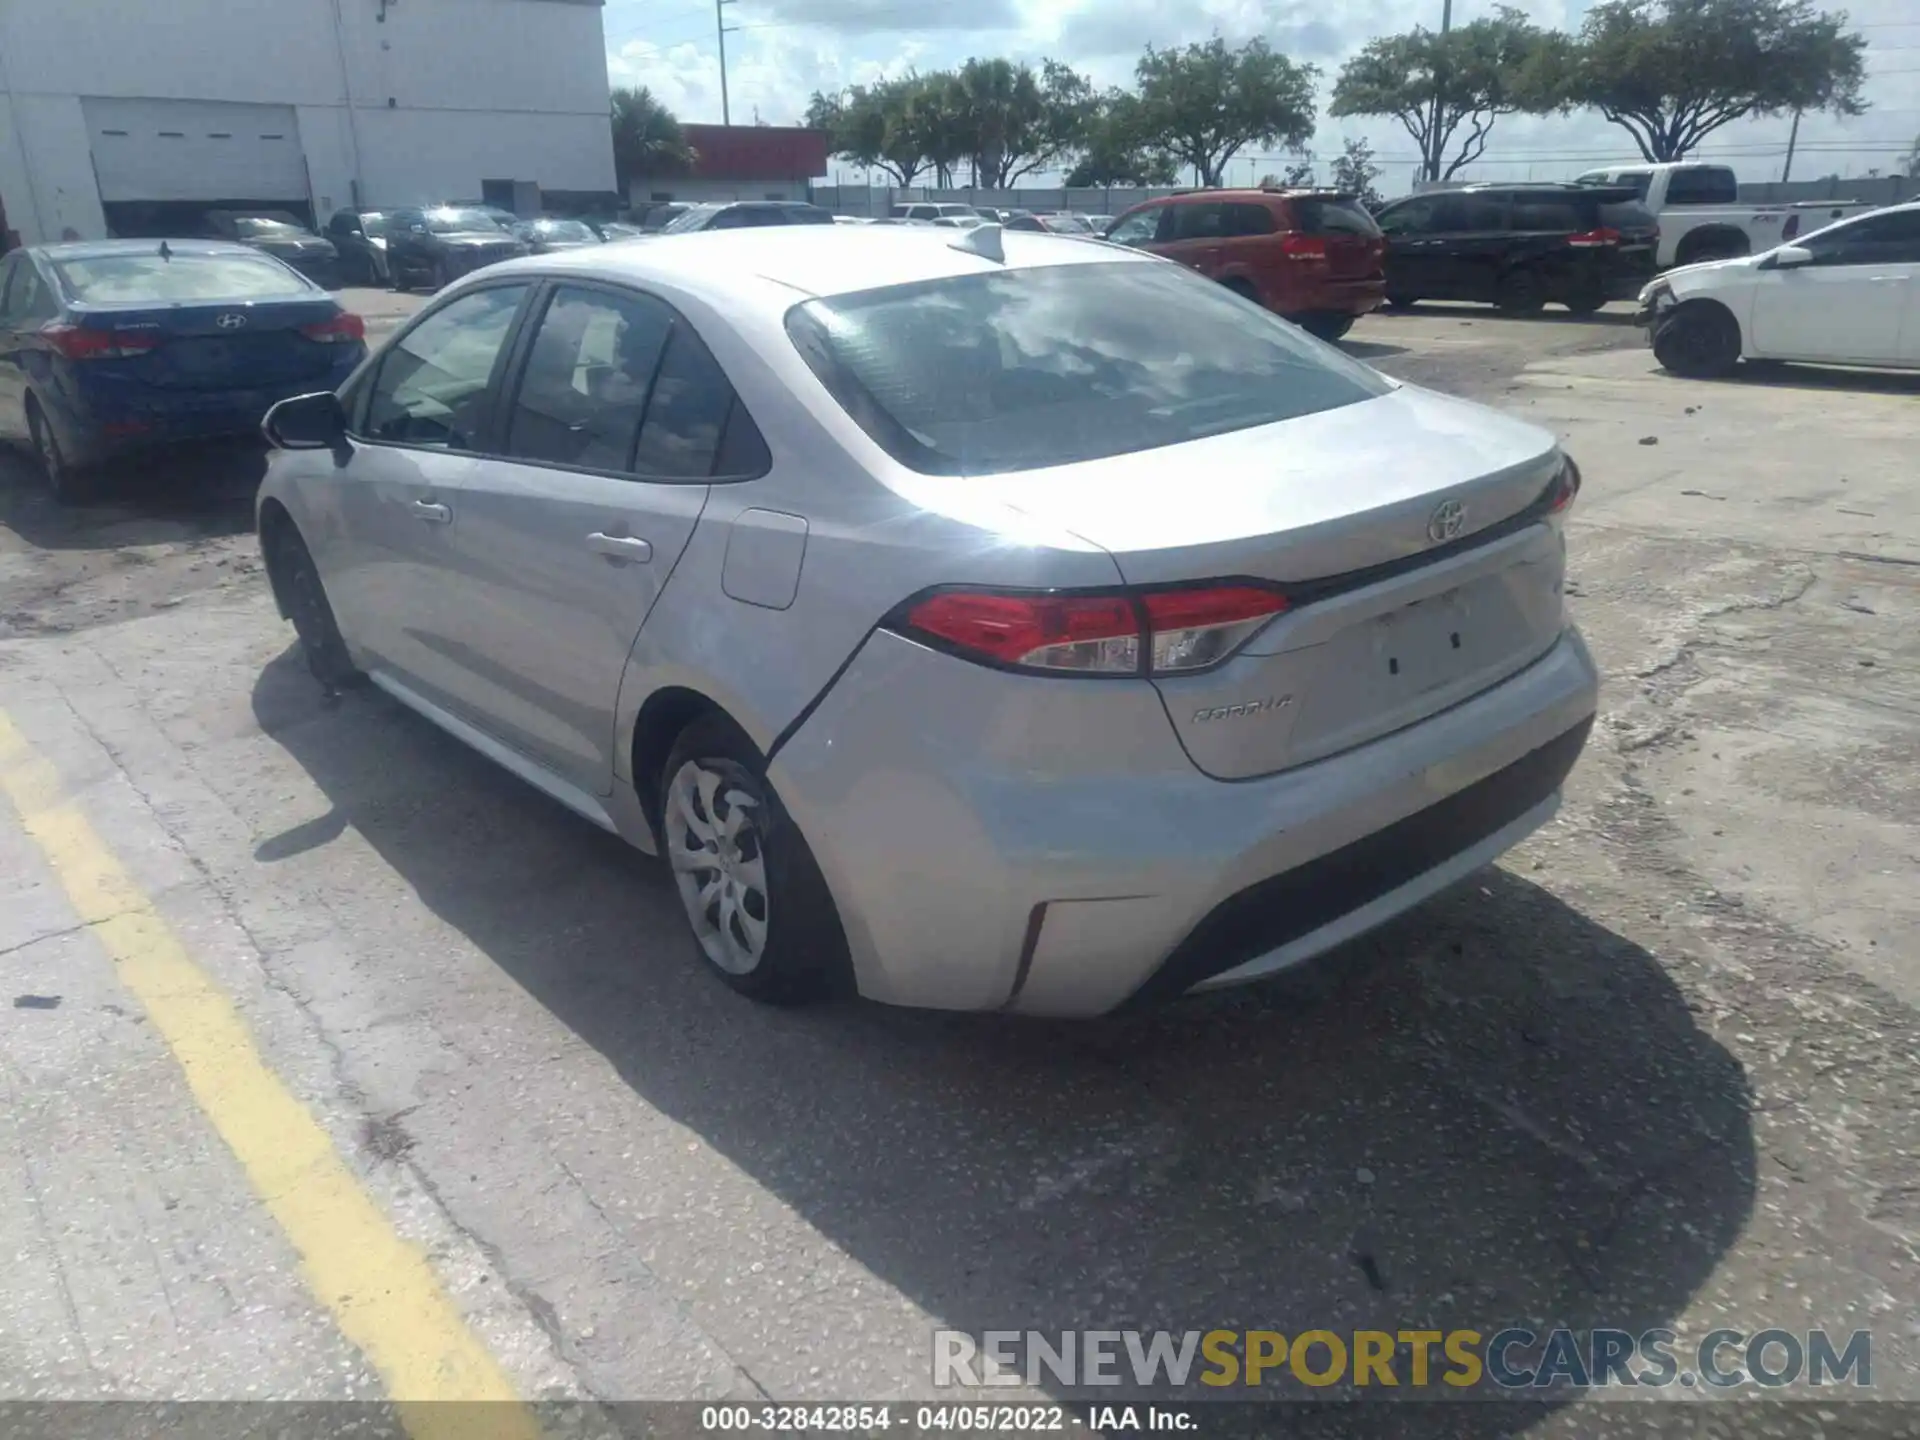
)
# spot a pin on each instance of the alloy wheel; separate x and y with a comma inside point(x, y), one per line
point(714, 846)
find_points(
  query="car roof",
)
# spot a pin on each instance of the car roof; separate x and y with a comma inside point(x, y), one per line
point(99, 249)
point(817, 260)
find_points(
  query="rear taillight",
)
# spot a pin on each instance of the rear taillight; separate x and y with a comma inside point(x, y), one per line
point(1303, 247)
point(1565, 486)
point(1161, 632)
point(342, 329)
point(77, 342)
point(1594, 239)
point(1791, 228)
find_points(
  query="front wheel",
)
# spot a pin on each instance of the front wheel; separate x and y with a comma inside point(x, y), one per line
point(752, 892)
point(296, 579)
point(1699, 341)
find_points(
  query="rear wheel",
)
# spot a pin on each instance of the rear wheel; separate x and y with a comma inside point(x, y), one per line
point(1325, 326)
point(751, 890)
point(442, 273)
point(1586, 297)
point(1700, 341)
point(1400, 300)
point(71, 484)
point(1243, 288)
point(296, 580)
point(1520, 293)
point(397, 274)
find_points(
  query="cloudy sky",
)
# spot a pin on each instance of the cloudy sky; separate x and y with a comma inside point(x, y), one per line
point(784, 50)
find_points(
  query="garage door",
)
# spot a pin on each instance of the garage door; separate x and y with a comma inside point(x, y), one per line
point(195, 150)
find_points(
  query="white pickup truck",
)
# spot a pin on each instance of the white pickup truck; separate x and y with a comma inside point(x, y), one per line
point(1701, 217)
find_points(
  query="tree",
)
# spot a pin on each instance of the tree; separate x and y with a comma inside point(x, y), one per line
point(1009, 121)
point(1207, 103)
point(1910, 167)
point(880, 126)
point(1115, 148)
point(1435, 84)
point(1671, 72)
point(1355, 172)
point(646, 137)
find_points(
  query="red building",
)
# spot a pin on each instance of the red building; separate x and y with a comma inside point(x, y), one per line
point(742, 162)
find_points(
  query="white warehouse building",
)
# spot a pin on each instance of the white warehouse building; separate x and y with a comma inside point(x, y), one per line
point(130, 116)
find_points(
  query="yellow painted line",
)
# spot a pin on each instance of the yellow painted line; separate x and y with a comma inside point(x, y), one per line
point(379, 1289)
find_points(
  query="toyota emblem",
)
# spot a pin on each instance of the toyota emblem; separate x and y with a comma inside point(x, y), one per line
point(232, 320)
point(1447, 522)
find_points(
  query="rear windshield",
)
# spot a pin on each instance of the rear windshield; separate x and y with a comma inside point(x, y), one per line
point(1323, 215)
point(694, 218)
point(116, 279)
point(1019, 369)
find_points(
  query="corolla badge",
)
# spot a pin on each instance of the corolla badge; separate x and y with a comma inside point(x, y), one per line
point(1272, 705)
point(1447, 521)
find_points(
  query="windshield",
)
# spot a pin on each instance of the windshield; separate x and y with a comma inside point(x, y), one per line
point(694, 219)
point(564, 230)
point(373, 224)
point(123, 279)
point(459, 222)
point(261, 227)
point(1019, 369)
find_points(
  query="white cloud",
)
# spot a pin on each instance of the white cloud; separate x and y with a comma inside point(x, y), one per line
point(787, 49)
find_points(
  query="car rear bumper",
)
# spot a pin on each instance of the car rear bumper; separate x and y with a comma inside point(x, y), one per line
point(1338, 297)
point(977, 868)
point(95, 429)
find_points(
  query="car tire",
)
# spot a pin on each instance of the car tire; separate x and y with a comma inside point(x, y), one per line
point(297, 585)
point(1323, 326)
point(1700, 341)
point(71, 484)
point(1520, 293)
point(1243, 288)
point(1588, 298)
point(442, 275)
point(397, 274)
point(753, 895)
point(1399, 301)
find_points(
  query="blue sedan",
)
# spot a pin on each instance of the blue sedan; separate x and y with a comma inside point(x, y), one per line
point(115, 347)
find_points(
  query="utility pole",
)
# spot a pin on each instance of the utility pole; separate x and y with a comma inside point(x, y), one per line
point(721, 28)
point(1793, 139)
point(1437, 157)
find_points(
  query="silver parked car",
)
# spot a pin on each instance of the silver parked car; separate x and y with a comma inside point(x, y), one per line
point(978, 620)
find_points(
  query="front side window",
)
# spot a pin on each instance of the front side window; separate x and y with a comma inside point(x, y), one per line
point(1887, 239)
point(584, 389)
point(1138, 228)
point(1199, 222)
point(1020, 369)
point(1415, 217)
point(432, 385)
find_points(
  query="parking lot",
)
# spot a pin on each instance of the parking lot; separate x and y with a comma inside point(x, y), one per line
point(1658, 1068)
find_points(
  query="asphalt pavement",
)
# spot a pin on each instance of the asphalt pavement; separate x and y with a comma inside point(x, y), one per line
point(291, 982)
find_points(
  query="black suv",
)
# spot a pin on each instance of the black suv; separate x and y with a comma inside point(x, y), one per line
point(1520, 246)
point(439, 245)
point(361, 238)
point(743, 213)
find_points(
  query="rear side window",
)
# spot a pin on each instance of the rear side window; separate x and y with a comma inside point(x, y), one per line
point(432, 385)
point(125, 279)
point(1250, 220)
point(687, 414)
point(1331, 215)
point(28, 298)
point(1020, 369)
point(1704, 185)
point(1545, 213)
point(585, 384)
point(1470, 214)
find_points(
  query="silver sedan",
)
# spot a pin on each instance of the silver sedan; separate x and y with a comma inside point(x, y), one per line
point(979, 620)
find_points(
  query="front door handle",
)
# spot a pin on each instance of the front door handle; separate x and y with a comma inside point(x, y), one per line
point(432, 513)
point(620, 547)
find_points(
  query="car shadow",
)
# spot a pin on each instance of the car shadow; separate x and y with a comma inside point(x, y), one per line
point(1506, 1113)
point(1369, 349)
point(1783, 375)
point(1614, 317)
point(200, 492)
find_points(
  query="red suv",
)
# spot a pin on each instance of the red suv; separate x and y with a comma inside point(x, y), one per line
point(1314, 256)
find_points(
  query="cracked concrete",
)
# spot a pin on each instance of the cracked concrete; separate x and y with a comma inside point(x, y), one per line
point(1657, 1069)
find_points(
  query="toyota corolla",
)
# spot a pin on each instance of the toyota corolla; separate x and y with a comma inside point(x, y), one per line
point(982, 621)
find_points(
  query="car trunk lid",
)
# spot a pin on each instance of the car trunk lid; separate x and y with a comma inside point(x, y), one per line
point(240, 346)
point(1403, 531)
point(1337, 231)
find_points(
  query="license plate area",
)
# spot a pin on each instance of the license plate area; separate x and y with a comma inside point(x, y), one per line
point(1423, 646)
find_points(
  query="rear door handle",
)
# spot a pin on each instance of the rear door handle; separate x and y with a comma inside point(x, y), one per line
point(620, 547)
point(432, 513)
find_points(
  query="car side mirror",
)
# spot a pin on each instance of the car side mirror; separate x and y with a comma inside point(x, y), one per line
point(1790, 257)
point(307, 422)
